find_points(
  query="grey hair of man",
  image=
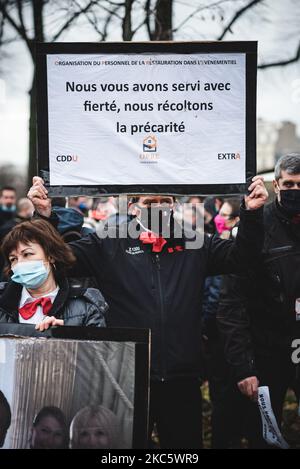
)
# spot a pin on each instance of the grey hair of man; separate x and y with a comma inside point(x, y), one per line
point(289, 163)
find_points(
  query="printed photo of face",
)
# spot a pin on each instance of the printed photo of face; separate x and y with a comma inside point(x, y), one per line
point(49, 430)
point(95, 427)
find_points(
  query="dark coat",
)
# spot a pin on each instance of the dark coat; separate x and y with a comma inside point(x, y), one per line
point(256, 315)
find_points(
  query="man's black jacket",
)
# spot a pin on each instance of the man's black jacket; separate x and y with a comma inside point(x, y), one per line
point(256, 315)
point(163, 292)
point(5, 216)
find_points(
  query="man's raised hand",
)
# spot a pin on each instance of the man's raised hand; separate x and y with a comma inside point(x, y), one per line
point(258, 194)
point(38, 195)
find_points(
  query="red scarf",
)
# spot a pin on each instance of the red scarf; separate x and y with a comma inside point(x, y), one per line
point(158, 242)
point(29, 309)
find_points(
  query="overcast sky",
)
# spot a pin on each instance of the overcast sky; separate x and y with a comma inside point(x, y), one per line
point(276, 28)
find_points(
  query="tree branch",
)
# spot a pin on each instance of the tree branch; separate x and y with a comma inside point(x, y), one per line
point(114, 11)
point(126, 23)
point(236, 16)
point(107, 23)
point(73, 18)
point(197, 10)
point(93, 21)
point(17, 28)
point(115, 3)
point(147, 19)
point(21, 19)
point(281, 63)
point(138, 27)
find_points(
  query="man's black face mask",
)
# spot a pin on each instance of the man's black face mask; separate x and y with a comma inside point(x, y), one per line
point(158, 219)
point(290, 201)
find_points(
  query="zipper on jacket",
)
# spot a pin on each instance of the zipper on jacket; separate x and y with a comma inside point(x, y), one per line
point(161, 299)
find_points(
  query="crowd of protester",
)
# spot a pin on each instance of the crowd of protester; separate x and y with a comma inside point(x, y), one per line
point(223, 313)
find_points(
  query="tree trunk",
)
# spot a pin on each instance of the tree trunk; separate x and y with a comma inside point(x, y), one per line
point(127, 25)
point(32, 165)
point(37, 12)
point(163, 20)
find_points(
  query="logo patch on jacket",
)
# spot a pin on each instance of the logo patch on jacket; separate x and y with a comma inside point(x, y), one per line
point(135, 250)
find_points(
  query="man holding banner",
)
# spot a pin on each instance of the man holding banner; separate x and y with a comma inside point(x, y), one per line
point(154, 118)
point(153, 282)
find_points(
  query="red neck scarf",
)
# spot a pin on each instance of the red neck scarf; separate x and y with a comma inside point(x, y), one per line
point(29, 309)
point(158, 242)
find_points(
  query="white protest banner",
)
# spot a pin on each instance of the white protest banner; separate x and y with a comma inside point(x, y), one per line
point(160, 120)
point(271, 431)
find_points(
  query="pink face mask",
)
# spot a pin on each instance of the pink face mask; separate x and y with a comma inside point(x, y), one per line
point(220, 223)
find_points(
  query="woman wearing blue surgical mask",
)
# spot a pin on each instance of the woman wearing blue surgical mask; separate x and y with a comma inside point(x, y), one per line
point(38, 291)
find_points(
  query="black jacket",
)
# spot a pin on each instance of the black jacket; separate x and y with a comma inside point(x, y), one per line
point(6, 216)
point(9, 225)
point(256, 313)
point(77, 307)
point(163, 292)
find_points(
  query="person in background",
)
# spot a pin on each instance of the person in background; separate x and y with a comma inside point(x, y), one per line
point(71, 228)
point(190, 212)
point(260, 318)
point(71, 220)
point(106, 213)
point(5, 418)
point(95, 427)
point(104, 207)
point(38, 292)
point(82, 206)
point(212, 206)
point(195, 200)
point(228, 217)
point(59, 202)
point(49, 429)
point(24, 212)
point(8, 200)
point(223, 419)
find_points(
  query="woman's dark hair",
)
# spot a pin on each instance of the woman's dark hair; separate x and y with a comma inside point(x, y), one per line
point(40, 232)
point(58, 415)
point(235, 204)
point(50, 411)
point(7, 188)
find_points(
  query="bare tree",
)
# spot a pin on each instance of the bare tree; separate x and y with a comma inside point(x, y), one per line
point(27, 19)
point(237, 16)
point(156, 16)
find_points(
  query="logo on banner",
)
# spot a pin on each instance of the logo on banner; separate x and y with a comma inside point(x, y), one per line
point(150, 144)
point(67, 158)
point(149, 155)
point(229, 156)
